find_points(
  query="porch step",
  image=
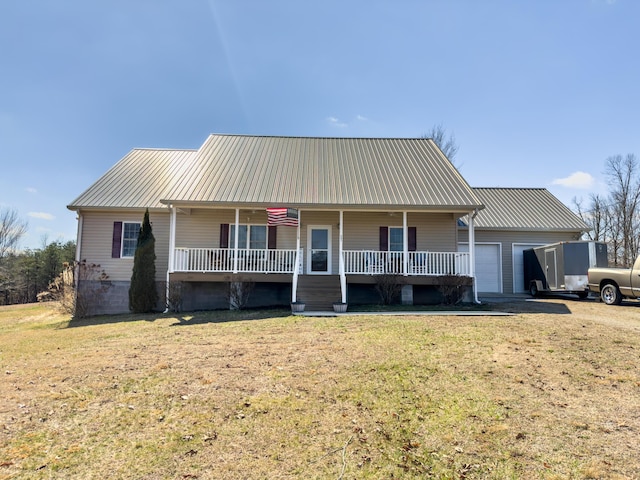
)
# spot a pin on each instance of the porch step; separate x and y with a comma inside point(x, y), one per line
point(318, 292)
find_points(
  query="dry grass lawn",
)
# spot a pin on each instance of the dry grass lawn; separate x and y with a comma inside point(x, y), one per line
point(552, 392)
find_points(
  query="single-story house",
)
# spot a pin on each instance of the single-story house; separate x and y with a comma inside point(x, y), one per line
point(302, 219)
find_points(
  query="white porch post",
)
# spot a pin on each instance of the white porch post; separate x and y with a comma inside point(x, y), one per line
point(172, 238)
point(343, 277)
point(172, 252)
point(472, 254)
point(405, 245)
point(235, 246)
point(294, 283)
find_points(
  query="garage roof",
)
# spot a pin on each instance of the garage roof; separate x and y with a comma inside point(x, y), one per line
point(524, 209)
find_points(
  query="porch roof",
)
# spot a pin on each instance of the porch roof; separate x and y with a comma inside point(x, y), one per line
point(255, 171)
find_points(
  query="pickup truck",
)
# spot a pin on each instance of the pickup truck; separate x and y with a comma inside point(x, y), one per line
point(614, 284)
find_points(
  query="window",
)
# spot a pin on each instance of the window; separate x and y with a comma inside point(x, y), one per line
point(396, 243)
point(392, 239)
point(249, 236)
point(130, 231)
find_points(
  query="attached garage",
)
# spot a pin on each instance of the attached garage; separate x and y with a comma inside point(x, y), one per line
point(513, 220)
point(488, 266)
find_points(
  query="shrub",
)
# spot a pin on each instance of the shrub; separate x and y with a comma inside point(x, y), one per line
point(389, 287)
point(451, 289)
point(143, 296)
point(174, 299)
point(79, 287)
point(238, 293)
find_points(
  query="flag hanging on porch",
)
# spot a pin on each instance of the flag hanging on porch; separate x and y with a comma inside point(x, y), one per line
point(282, 216)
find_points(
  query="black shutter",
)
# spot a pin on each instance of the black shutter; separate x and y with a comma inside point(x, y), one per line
point(412, 239)
point(224, 235)
point(116, 241)
point(272, 236)
point(384, 239)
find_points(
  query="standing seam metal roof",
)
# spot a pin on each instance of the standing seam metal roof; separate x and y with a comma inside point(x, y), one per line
point(286, 171)
point(524, 209)
point(139, 180)
point(235, 169)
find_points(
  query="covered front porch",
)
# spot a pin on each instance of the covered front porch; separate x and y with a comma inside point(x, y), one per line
point(336, 243)
point(356, 262)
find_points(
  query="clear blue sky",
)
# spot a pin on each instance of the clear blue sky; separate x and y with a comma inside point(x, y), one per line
point(538, 93)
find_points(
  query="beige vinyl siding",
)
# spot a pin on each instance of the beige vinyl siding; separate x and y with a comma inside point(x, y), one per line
point(97, 235)
point(507, 239)
point(435, 232)
point(286, 238)
point(200, 228)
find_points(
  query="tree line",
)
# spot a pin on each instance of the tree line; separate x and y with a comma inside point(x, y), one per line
point(24, 274)
point(614, 217)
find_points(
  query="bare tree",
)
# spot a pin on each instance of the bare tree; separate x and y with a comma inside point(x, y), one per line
point(624, 180)
point(616, 218)
point(596, 216)
point(446, 143)
point(11, 231)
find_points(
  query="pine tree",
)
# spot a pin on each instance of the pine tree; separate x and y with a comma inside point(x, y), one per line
point(143, 296)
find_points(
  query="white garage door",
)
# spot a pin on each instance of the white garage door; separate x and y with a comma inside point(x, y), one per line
point(488, 266)
point(518, 265)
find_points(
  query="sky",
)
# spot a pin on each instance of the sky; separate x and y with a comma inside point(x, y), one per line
point(537, 93)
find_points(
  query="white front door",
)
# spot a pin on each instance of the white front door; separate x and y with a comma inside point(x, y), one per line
point(319, 248)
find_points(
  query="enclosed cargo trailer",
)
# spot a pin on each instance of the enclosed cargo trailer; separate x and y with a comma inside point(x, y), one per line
point(562, 267)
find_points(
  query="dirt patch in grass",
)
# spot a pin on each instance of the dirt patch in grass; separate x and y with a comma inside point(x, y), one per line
point(551, 392)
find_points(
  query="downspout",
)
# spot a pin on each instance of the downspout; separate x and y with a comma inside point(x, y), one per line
point(296, 267)
point(76, 267)
point(79, 237)
point(343, 277)
point(172, 254)
point(472, 253)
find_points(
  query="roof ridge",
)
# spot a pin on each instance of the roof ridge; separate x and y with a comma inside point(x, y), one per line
point(166, 149)
point(509, 188)
point(306, 137)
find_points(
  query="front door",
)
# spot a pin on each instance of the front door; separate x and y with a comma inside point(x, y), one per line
point(319, 247)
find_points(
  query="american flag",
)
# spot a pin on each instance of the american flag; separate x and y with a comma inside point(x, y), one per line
point(282, 216)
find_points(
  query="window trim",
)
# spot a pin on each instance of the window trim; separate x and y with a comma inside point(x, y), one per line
point(249, 226)
point(389, 228)
point(384, 238)
point(122, 238)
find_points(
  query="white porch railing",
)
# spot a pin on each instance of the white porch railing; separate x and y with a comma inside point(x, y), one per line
point(356, 262)
point(372, 262)
point(222, 260)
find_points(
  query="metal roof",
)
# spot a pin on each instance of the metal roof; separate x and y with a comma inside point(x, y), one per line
point(524, 209)
point(139, 180)
point(287, 171)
